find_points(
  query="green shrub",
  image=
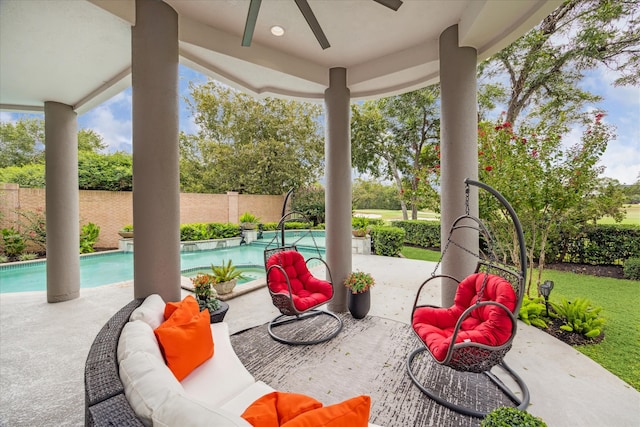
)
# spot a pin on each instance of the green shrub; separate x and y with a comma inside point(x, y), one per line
point(218, 230)
point(425, 234)
point(387, 241)
point(27, 256)
point(88, 237)
point(632, 269)
point(579, 316)
point(511, 417)
point(532, 312)
point(12, 242)
point(208, 231)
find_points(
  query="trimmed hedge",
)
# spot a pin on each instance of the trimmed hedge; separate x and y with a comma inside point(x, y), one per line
point(387, 241)
point(596, 244)
point(632, 269)
point(420, 233)
point(208, 231)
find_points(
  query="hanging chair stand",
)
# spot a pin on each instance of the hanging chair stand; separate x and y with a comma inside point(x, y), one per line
point(468, 356)
point(284, 301)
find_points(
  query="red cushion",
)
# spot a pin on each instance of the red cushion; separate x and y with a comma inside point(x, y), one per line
point(488, 324)
point(308, 291)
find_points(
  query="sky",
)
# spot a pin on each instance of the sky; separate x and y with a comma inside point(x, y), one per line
point(112, 120)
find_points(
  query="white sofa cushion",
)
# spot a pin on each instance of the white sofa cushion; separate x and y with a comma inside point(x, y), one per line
point(138, 336)
point(150, 311)
point(183, 411)
point(148, 383)
point(220, 378)
point(241, 402)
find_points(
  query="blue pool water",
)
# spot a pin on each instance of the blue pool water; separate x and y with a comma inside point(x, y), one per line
point(106, 268)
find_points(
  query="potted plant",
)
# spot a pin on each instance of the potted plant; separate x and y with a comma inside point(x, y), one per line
point(126, 232)
point(207, 297)
point(359, 283)
point(248, 221)
point(226, 277)
point(359, 226)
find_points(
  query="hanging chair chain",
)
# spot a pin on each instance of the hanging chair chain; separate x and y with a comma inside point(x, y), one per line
point(492, 256)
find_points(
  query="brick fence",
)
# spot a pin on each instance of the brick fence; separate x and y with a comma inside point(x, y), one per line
point(111, 210)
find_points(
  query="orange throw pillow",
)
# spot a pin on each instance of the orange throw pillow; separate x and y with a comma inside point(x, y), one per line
point(350, 413)
point(276, 408)
point(186, 346)
point(185, 309)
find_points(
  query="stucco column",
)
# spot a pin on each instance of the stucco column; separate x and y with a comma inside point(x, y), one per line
point(62, 202)
point(338, 187)
point(459, 152)
point(156, 180)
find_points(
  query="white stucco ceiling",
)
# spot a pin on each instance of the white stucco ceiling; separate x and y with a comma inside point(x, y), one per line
point(78, 52)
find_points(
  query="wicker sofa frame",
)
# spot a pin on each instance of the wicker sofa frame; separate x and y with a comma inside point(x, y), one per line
point(105, 402)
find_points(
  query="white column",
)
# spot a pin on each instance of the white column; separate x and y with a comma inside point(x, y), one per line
point(156, 180)
point(459, 151)
point(62, 202)
point(338, 187)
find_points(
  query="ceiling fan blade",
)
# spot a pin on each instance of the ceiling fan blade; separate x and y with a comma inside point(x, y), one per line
point(391, 4)
point(250, 25)
point(304, 7)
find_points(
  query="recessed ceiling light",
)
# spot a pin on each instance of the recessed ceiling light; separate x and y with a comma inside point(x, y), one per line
point(277, 31)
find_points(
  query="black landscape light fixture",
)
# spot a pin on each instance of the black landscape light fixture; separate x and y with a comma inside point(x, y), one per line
point(545, 290)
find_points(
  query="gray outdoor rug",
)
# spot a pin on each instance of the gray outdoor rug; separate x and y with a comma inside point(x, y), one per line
point(367, 357)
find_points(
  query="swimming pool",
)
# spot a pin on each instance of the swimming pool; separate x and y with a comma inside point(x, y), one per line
point(103, 269)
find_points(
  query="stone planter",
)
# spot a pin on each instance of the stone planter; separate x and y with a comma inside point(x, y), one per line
point(218, 315)
point(225, 287)
point(126, 234)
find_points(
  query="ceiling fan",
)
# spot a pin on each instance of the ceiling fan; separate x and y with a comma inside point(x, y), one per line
point(305, 9)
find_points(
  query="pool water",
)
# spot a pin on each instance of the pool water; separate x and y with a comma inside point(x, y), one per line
point(113, 267)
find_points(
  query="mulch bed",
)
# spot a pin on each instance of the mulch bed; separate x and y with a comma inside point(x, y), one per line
point(572, 338)
point(613, 271)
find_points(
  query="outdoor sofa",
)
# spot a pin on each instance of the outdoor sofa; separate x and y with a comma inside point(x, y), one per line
point(127, 382)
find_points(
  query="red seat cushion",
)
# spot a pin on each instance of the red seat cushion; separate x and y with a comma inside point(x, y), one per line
point(488, 324)
point(308, 291)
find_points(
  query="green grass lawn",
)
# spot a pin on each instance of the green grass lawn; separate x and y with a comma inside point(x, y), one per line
point(390, 215)
point(619, 352)
point(633, 215)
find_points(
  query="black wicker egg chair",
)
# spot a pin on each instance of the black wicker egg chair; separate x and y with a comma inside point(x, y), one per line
point(476, 332)
point(294, 290)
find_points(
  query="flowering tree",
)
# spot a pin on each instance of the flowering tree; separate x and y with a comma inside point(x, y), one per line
point(547, 184)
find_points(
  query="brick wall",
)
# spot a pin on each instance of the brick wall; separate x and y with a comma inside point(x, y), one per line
point(111, 210)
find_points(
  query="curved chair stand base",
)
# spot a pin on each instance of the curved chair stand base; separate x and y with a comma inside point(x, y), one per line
point(522, 403)
point(283, 319)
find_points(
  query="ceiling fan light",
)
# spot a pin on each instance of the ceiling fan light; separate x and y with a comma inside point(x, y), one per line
point(277, 31)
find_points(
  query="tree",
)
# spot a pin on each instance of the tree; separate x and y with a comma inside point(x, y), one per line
point(90, 140)
point(371, 194)
point(246, 144)
point(545, 66)
point(396, 138)
point(19, 142)
point(549, 186)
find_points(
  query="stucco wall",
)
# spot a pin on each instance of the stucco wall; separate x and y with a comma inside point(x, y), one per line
point(112, 210)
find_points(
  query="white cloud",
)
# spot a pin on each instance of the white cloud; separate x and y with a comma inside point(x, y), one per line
point(112, 121)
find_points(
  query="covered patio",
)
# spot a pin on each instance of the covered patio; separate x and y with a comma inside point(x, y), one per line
point(42, 370)
point(66, 57)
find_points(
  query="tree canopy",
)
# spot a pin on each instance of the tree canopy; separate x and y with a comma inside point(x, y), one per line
point(397, 138)
point(543, 67)
point(259, 146)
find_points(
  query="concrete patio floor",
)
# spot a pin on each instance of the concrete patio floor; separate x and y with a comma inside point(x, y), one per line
point(43, 348)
